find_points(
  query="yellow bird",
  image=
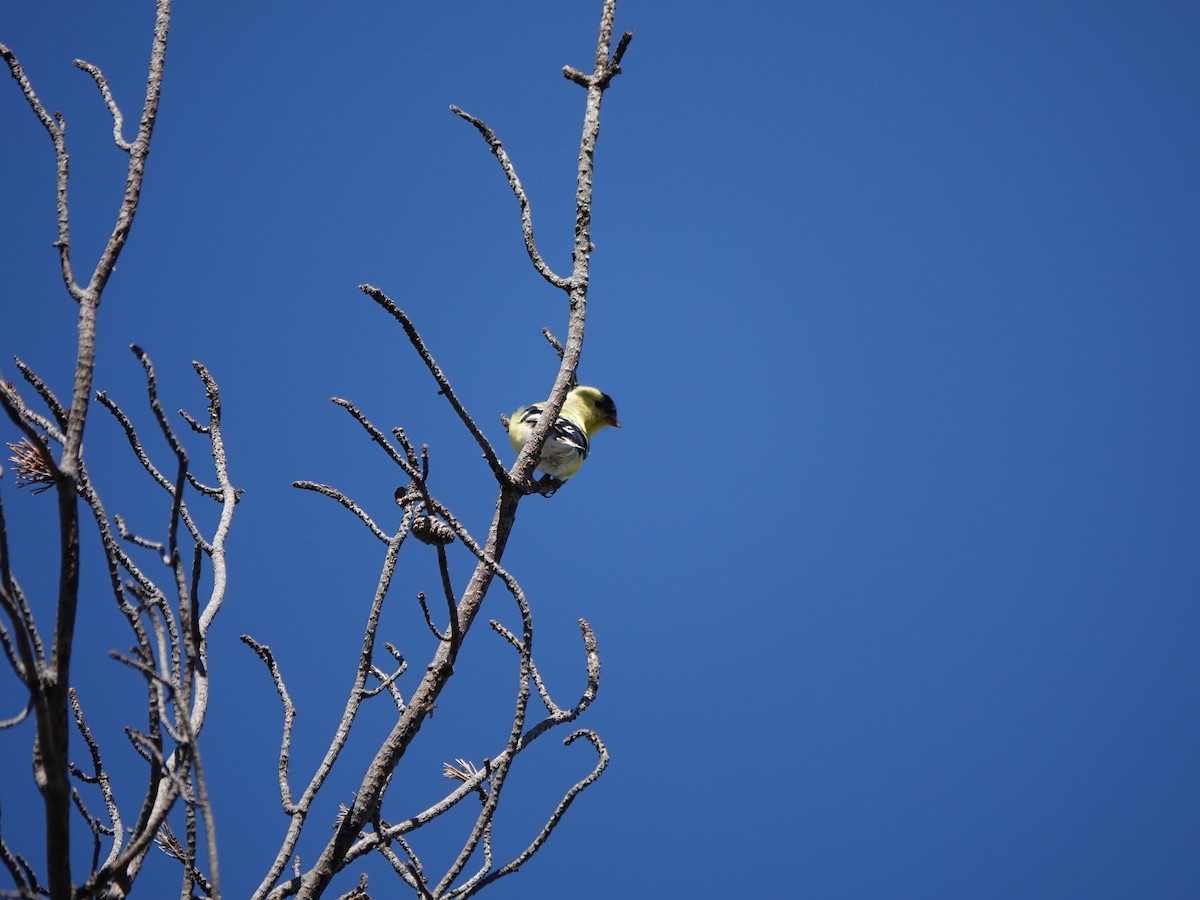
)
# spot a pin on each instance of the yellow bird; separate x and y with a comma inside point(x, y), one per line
point(585, 411)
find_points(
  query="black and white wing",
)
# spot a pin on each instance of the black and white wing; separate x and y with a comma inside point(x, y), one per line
point(566, 446)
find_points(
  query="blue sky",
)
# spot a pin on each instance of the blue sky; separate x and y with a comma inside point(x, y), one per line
point(894, 563)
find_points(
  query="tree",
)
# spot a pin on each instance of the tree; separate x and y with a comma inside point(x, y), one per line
point(169, 612)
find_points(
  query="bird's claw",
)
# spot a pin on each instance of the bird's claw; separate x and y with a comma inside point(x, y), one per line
point(547, 485)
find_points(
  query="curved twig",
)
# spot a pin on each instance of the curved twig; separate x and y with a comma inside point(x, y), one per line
point(555, 817)
point(289, 716)
point(433, 629)
point(109, 101)
point(510, 172)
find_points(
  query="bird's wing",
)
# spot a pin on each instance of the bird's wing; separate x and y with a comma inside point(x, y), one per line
point(565, 435)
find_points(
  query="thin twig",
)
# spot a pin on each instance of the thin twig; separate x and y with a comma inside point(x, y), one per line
point(289, 716)
point(559, 811)
point(510, 172)
point(429, 618)
point(44, 391)
point(109, 101)
point(137, 541)
point(334, 494)
point(56, 128)
point(447, 391)
point(100, 777)
point(408, 462)
point(448, 592)
point(387, 683)
point(554, 342)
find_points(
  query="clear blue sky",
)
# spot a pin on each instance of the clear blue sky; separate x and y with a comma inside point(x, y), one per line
point(895, 565)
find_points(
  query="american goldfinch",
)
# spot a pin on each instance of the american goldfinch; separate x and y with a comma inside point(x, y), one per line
point(585, 411)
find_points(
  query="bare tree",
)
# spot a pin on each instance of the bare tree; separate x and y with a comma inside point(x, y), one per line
point(169, 610)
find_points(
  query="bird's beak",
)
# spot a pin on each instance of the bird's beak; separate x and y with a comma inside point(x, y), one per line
point(614, 423)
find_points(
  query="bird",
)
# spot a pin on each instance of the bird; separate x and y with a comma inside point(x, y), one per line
point(586, 411)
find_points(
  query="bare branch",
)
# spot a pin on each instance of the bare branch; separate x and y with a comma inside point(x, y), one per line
point(408, 462)
point(558, 348)
point(20, 717)
point(289, 715)
point(135, 442)
point(160, 414)
point(109, 101)
point(581, 255)
point(615, 64)
point(43, 390)
point(559, 811)
point(388, 682)
point(573, 74)
point(99, 776)
point(334, 494)
point(56, 128)
point(93, 824)
point(410, 871)
point(448, 592)
point(182, 775)
point(446, 390)
point(229, 498)
point(123, 869)
point(117, 560)
point(429, 619)
point(409, 452)
point(510, 172)
point(12, 601)
point(127, 535)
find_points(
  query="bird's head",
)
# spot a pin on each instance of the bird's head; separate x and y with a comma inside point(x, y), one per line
point(595, 408)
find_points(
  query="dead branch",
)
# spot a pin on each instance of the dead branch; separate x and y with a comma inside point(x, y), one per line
point(443, 383)
point(510, 172)
point(289, 716)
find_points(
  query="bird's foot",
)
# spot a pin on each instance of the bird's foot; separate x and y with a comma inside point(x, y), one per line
point(547, 485)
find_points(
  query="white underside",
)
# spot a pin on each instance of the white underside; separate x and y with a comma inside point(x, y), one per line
point(559, 461)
